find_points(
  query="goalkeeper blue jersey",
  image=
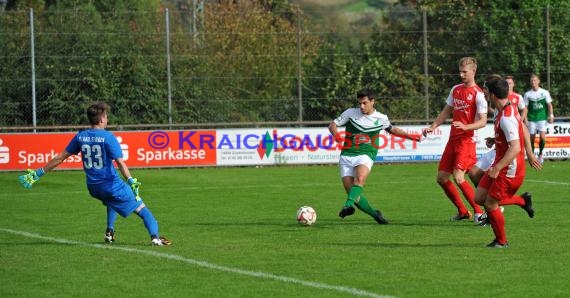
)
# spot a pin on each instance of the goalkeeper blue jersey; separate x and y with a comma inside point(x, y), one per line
point(98, 149)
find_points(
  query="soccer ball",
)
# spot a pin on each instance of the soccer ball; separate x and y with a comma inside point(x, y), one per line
point(306, 215)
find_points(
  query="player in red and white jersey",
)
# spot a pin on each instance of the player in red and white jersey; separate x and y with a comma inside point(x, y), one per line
point(503, 179)
point(467, 105)
point(516, 99)
point(486, 160)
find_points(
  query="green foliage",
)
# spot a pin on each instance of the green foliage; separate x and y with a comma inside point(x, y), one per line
point(242, 61)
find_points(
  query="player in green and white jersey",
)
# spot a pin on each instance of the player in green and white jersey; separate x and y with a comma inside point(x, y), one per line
point(540, 111)
point(360, 143)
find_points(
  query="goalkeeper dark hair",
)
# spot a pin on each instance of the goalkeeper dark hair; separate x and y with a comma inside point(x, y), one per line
point(96, 111)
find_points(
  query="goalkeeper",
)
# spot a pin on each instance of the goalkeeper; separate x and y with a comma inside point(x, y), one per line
point(99, 148)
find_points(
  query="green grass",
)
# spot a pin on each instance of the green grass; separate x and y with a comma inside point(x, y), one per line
point(243, 219)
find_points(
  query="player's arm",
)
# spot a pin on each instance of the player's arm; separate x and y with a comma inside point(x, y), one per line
point(443, 115)
point(479, 123)
point(340, 121)
point(402, 133)
point(514, 149)
point(550, 112)
point(123, 168)
point(133, 182)
point(532, 160)
point(333, 129)
point(524, 113)
point(56, 161)
point(31, 176)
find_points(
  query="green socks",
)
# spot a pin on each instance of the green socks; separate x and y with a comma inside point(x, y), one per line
point(354, 193)
point(365, 207)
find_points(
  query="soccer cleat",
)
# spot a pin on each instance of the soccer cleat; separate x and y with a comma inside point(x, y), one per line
point(541, 159)
point(496, 244)
point(346, 211)
point(484, 218)
point(528, 204)
point(460, 217)
point(379, 218)
point(476, 218)
point(160, 241)
point(110, 236)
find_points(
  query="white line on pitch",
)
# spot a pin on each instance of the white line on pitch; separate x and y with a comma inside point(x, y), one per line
point(258, 274)
point(547, 182)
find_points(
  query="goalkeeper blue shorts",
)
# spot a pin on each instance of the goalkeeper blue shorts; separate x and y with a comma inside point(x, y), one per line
point(117, 195)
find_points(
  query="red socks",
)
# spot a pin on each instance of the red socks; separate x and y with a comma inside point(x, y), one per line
point(498, 223)
point(453, 195)
point(514, 200)
point(469, 194)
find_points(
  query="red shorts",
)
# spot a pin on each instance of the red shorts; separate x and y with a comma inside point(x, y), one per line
point(458, 154)
point(501, 187)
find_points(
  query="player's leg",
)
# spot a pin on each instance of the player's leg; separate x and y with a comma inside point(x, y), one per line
point(532, 134)
point(465, 159)
point(524, 201)
point(445, 168)
point(480, 197)
point(362, 172)
point(346, 168)
point(541, 127)
point(110, 231)
point(480, 167)
point(475, 174)
point(361, 166)
point(123, 201)
point(501, 188)
point(497, 222)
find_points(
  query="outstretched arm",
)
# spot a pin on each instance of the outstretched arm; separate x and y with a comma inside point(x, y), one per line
point(31, 176)
point(443, 115)
point(56, 161)
point(402, 133)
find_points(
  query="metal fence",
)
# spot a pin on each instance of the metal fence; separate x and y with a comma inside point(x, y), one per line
point(194, 84)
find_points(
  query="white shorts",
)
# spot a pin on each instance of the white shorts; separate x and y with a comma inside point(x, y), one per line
point(536, 126)
point(348, 163)
point(486, 160)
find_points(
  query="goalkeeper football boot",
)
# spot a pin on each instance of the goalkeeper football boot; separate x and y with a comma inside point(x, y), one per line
point(346, 211)
point(528, 204)
point(496, 244)
point(110, 236)
point(379, 218)
point(159, 241)
point(459, 217)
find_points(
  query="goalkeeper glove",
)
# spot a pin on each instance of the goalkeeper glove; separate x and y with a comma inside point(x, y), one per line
point(135, 184)
point(31, 177)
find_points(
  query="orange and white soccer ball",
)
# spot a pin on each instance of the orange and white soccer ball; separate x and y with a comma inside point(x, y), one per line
point(306, 215)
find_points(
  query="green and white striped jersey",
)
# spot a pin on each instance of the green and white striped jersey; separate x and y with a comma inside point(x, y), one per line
point(361, 133)
point(536, 102)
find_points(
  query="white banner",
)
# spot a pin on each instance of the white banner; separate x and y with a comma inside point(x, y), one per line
point(271, 146)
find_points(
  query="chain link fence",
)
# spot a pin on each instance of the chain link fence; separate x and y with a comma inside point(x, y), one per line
point(220, 67)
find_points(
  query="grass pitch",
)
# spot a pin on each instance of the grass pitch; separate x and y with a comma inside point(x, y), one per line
point(234, 235)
